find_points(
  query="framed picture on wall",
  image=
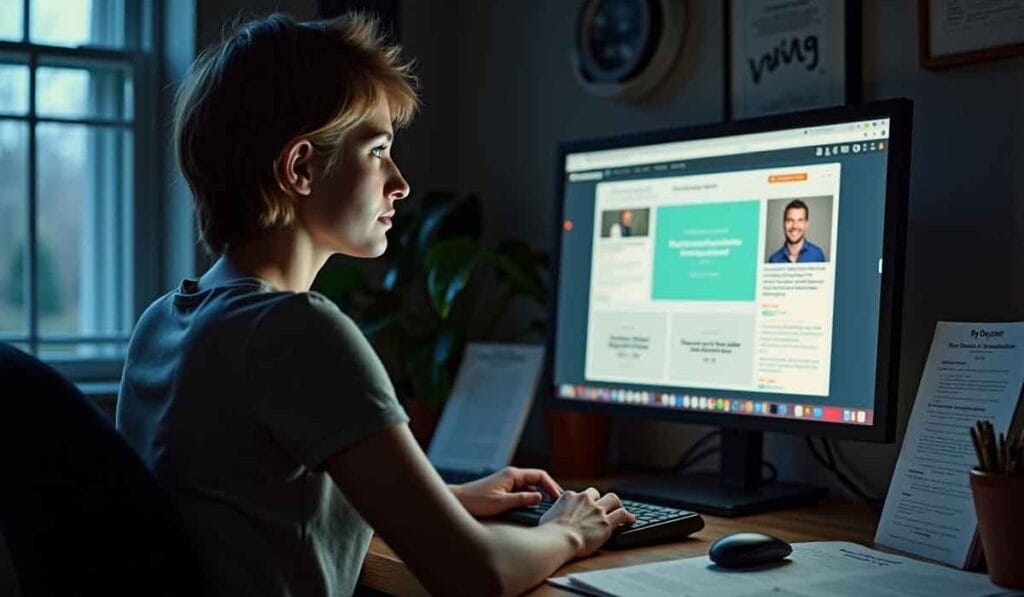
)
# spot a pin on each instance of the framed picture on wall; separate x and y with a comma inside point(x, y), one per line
point(954, 32)
point(791, 56)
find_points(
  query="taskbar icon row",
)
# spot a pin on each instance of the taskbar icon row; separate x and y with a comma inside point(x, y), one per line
point(719, 404)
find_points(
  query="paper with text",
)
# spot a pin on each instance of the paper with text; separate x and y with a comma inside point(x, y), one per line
point(974, 371)
point(835, 568)
point(485, 414)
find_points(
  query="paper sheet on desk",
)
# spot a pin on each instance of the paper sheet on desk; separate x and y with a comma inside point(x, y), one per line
point(833, 568)
point(486, 412)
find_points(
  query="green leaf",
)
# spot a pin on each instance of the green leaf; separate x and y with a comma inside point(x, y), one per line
point(448, 348)
point(432, 364)
point(392, 277)
point(521, 268)
point(436, 207)
point(442, 216)
point(450, 264)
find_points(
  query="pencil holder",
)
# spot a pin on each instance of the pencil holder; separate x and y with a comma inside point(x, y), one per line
point(999, 503)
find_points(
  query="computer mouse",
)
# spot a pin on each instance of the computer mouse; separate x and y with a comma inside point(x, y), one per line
point(741, 550)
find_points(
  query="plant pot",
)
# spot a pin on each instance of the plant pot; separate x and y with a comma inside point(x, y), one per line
point(999, 502)
point(423, 418)
point(579, 443)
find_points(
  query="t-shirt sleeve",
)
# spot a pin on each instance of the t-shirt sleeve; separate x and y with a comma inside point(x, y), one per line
point(319, 386)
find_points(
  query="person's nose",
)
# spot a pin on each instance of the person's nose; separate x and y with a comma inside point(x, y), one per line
point(396, 188)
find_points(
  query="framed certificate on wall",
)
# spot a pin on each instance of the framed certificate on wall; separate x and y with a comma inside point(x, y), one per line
point(955, 32)
point(791, 56)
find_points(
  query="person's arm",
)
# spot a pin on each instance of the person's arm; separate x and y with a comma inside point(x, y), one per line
point(509, 488)
point(393, 486)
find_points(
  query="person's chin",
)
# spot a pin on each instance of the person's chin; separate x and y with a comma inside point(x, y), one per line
point(377, 249)
point(365, 251)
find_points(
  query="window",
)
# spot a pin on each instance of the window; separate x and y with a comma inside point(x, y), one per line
point(76, 160)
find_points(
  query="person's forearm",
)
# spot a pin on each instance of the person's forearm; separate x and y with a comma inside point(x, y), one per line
point(527, 556)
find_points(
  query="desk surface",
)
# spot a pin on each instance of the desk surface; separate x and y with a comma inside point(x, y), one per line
point(829, 521)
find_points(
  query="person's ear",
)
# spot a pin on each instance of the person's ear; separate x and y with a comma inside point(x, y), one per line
point(297, 167)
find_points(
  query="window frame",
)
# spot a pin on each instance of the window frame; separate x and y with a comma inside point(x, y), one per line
point(142, 209)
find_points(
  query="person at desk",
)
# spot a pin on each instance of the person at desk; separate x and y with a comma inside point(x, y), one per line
point(797, 249)
point(257, 403)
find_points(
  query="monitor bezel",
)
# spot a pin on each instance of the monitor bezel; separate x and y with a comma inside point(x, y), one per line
point(900, 112)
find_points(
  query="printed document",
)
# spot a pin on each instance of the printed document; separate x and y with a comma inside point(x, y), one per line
point(487, 409)
point(834, 568)
point(974, 371)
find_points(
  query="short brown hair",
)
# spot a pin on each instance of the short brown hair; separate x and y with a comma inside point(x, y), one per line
point(270, 81)
point(797, 204)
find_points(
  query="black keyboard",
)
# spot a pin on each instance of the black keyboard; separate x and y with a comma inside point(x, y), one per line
point(654, 524)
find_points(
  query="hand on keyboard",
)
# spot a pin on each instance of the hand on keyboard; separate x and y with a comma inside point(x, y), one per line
point(653, 523)
point(593, 516)
point(508, 488)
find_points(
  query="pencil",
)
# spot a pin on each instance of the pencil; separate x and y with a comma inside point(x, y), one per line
point(987, 452)
point(1001, 454)
point(977, 449)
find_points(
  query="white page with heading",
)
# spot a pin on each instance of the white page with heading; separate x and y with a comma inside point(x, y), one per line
point(974, 371)
point(488, 406)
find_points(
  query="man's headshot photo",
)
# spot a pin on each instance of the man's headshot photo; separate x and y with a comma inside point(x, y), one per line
point(788, 238)
point(623, 223)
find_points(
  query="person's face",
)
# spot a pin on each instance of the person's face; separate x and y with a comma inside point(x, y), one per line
point(350, 206)
point(626, 218)
point(795, 224)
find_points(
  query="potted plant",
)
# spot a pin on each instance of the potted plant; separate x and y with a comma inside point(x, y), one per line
point(440, 287)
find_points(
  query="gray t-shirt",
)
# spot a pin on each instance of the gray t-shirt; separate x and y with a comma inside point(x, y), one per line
point(235, 396)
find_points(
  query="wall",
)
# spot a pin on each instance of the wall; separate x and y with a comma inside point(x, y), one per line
point(498, 74)
point(213, 16)
point(499, 95)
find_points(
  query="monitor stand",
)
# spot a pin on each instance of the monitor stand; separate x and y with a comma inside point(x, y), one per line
point(737, 490)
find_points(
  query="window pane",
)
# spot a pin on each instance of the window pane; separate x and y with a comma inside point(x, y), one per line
point(13, 225)
point(77, 22)
point(83, 248)
point(11, 17)
point(97, 91)
point(82, 350)
point(13, 88)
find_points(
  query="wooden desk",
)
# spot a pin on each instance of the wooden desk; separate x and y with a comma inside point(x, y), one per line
point(831, 521)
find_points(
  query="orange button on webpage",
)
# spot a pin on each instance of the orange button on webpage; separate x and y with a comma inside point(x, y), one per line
point(793, 177)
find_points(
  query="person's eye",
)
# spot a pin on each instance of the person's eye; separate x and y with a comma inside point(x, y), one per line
point(379, 152)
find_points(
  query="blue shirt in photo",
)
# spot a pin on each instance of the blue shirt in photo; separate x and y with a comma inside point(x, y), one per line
point(810, 253)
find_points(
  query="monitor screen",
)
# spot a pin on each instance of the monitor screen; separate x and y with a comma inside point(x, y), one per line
point(733, 273)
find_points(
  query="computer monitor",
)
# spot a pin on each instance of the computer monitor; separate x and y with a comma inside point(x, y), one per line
point(746, 275)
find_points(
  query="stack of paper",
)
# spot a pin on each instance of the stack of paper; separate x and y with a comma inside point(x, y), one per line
point(833, 568)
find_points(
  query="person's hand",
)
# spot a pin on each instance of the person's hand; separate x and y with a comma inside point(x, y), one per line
point(504, 490)
point(589, 514)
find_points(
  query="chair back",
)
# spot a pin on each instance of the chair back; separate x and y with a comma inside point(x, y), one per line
point(79, 511)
